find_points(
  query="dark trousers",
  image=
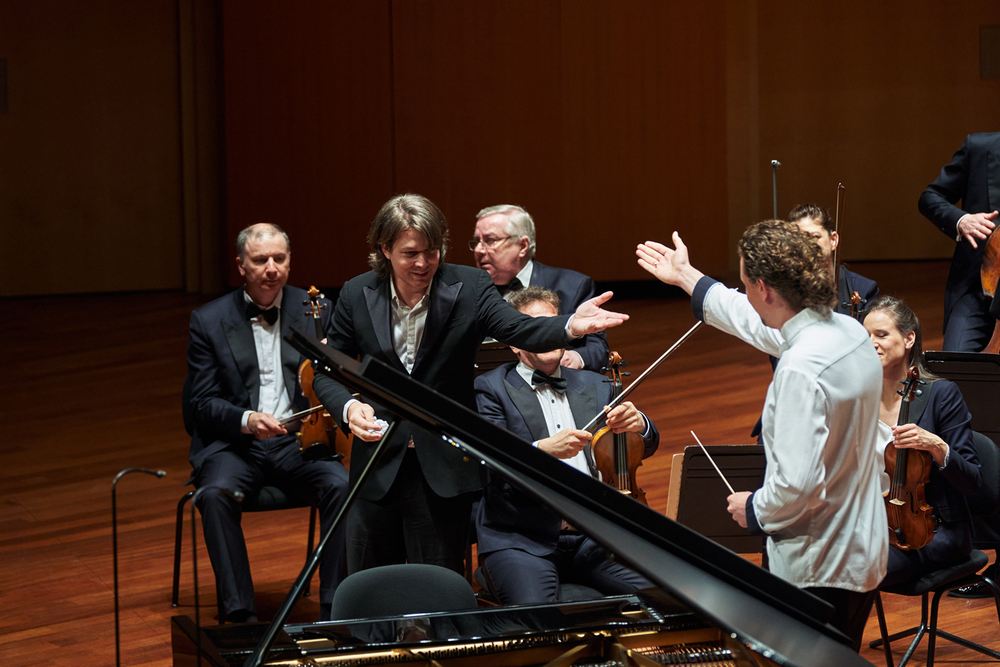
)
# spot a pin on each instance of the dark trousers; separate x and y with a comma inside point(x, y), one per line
point(518, 577)
point(851, 610)
point(273, 462)
point(410, 523)
point(952, 543)
point(969, 326)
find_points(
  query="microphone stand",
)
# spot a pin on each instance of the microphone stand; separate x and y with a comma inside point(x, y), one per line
point(238, 496)
point(293, 596)
point(774, 184)
point(114, 547)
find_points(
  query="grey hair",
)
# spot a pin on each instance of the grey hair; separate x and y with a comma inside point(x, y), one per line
point(519, 223)
point(256, 232)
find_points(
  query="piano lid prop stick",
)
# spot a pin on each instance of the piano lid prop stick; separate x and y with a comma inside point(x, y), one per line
point(712, 461)
point(621, 397)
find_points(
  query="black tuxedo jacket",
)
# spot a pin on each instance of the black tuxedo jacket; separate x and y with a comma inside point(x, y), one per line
point(573, 289)
point(972, 177)
point(507, 517)
point(465, 307)
point(223, 371)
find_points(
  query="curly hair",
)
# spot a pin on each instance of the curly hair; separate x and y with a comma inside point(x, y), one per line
point(788, 261)
point(400, 213)
point(906, 321)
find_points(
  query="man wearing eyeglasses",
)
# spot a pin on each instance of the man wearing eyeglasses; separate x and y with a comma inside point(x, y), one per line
point(504, 247)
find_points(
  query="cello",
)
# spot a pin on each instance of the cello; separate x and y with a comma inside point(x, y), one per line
point(617, 456)
point(911, 521)
point(318, 433)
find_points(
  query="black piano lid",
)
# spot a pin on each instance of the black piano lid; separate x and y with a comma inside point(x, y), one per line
point(771, 616)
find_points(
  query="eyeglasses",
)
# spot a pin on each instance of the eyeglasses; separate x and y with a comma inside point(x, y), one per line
point(489, 244)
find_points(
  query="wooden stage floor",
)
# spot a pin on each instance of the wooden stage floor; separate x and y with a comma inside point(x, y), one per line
point(92, 385)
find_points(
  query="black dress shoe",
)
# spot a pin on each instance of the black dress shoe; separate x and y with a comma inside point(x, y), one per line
point(974, 591)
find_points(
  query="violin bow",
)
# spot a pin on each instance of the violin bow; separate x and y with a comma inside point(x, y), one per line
point(621, 397)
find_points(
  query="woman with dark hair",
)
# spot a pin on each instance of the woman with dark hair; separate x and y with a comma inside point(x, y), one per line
point(939, 426)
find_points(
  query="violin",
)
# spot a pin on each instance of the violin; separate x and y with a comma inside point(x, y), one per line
point(318, 434)
point(911, 522)
point(617, 456)
point(989, 273)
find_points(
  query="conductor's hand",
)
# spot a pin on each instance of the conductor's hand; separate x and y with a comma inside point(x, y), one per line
point(669, 265)
point(361, 419)
point(263, 426)
point(977, 226)
point(738, 507)
point(590, 317)
point(625, 418)
point(565, 444)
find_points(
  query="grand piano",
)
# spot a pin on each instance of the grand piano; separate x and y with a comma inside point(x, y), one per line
point(709, 605)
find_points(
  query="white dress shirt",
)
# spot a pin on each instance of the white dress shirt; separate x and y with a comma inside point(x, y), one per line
point(557, 411)
point(272, 398)
point(821, 501)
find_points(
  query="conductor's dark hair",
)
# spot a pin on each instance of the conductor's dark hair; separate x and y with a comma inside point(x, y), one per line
point(789, 261)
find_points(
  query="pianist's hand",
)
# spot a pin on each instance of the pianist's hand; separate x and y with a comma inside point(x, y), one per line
point(361, 419)
point(565, 444)
point(738, 507)
point(590, 317)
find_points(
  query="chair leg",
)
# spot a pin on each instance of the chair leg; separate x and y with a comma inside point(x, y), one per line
point(920, 631)
point(174, 600)
point(883, 631)
point(965, 642)
point(310, 545)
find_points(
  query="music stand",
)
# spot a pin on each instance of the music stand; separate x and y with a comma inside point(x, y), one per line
point(978, 377)
point(702, 494)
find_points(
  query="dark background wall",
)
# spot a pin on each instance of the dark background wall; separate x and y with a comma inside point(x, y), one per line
point(139, 137)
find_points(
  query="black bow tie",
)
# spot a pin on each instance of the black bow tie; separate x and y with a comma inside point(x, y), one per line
point(557, 384)
point(253, 310)
point(513, 286)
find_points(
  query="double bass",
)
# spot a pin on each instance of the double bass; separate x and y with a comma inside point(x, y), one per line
point(989, 274)
point(617, 456)
point(911, 519)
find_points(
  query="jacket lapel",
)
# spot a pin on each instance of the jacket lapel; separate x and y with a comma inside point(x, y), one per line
point(443, 299)
point(239, 335)
point(524, 399)
point(377, 300)
point(583, 402)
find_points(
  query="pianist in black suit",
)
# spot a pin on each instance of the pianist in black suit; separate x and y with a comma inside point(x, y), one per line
point(243, 380)
point(504, 246)
point(427, 318)
point(524, 549)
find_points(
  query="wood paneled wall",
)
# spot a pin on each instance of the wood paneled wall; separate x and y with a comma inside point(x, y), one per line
point(602, 120)
point(89, 147)
point(611, 122)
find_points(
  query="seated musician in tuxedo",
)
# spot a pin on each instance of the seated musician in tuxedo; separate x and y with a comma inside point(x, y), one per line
point(524, 552)
point(504, 246)
point(244, 379)
point(939, 425)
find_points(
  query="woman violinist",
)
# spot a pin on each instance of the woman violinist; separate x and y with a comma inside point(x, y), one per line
point(939, 426)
